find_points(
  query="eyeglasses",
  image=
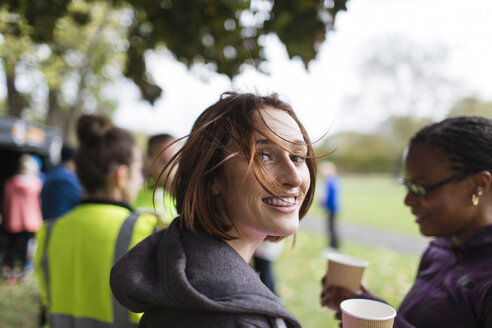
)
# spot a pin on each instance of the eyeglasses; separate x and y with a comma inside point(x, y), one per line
point(422, 191)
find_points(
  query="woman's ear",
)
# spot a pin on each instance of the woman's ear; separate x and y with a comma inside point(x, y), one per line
point(482, 181)
point(121, 176)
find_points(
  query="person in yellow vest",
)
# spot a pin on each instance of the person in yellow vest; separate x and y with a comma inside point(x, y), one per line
point(76, 251)
point(155, 197)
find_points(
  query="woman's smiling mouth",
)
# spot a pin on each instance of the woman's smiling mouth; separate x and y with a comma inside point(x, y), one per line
point(282, 204)
point(284, 201)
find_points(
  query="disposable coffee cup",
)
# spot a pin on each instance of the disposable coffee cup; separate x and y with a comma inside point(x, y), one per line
point(362, 313)
point(345, 271)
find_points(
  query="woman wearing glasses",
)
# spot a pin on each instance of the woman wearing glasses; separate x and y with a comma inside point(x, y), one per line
point(448, 176)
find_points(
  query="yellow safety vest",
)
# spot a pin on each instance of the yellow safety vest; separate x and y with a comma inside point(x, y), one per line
point(161, 203)
point(73, 261)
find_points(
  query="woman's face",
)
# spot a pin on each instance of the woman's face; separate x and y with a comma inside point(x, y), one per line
point(446, 210)
point(254, 212)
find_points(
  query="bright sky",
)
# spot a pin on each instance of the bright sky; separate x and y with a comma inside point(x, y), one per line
point(319, 94)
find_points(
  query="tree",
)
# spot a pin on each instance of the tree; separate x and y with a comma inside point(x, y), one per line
point(404, 77)
point(75, 64)
point(15, 43)
point(471, 106)
point(225, 34)
point(360, 152)
point(399, 129)
point(376, 152)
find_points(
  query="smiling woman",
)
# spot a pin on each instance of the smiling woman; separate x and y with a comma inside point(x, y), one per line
point(245, 174)
point(448, 179)
point(253, 211)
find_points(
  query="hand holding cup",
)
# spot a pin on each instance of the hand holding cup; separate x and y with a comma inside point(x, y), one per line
point(332, 296)
point(342, 280)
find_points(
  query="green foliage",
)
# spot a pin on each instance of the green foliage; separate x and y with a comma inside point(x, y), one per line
point(375, 152)
point(85, 45)
point(224, 34)
point(399, 129)
point(84, 52)
point(362, 152)
point(16, 38)
point(42, 15)
point(471, 106)
point(294, 22)
point(195, 31)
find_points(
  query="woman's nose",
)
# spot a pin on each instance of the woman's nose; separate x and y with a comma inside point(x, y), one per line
point(410, 199)
point(289, 174)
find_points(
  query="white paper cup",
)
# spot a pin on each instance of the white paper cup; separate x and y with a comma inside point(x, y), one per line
point(362, 313)
point(345, 271)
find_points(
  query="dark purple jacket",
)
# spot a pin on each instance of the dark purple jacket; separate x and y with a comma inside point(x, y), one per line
point(453, 287)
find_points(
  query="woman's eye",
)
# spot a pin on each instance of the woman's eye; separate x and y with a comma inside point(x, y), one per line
point(265, 155)
point(298, 158)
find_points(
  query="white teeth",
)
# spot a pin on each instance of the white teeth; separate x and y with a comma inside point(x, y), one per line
point(288, 201)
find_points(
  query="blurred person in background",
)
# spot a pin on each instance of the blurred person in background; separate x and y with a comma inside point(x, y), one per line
point(330, 200)
point(155, 197)
point(61, 189)
point(22, 216)
point(263, 261)
point(245, 174)
point(448, 177)
point(40, 164)
point(76, 251)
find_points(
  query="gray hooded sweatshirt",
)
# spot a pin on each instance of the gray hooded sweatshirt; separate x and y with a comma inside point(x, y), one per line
point(183, 279)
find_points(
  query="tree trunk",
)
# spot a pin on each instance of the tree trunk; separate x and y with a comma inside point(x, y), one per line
point(15, 102)
point(77, 108)
point(70, 119)
point(53, 117)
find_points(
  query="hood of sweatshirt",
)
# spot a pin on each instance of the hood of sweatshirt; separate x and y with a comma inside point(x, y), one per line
point(176, 268)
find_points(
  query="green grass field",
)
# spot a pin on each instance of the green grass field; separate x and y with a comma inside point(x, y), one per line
point(369, 200)
point(299, 272)
point(20, 304)
point(372, 200)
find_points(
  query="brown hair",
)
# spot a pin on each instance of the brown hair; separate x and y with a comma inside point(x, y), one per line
point(103, 147)
point(233, 119)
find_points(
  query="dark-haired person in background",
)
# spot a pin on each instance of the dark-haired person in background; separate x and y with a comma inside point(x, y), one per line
point(155, 196)
point(61, 189)
point(76, 251)
point(448, 169)
point(245, 174)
